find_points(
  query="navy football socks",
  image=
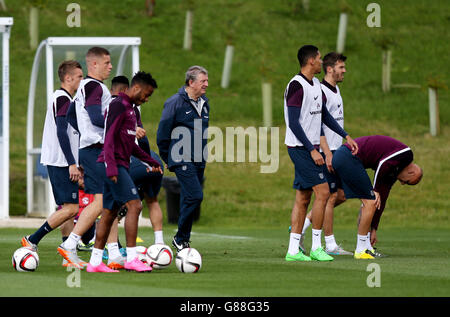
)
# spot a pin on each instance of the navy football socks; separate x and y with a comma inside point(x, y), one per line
point(40, 233)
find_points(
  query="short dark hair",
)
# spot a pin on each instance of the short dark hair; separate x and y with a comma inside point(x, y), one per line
point(331, 59)
point(142, 77)
point(66, 67)
point(119, 80)
point(97, 52)
point(306, 52)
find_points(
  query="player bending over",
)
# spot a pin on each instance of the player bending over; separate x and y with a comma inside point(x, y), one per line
point(391, 160)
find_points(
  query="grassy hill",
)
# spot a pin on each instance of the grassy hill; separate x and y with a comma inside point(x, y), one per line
point(266, 35)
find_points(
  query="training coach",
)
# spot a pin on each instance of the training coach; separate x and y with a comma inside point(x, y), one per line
point(181, 139)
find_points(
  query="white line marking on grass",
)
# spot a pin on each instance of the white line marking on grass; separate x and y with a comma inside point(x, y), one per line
point(222, 236)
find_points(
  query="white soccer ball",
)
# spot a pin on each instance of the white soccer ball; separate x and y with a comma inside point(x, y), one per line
point(159, 256)
point(141, 252)
point(188, 260)
point(25, 260)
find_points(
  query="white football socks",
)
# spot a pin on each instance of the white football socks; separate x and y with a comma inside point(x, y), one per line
point(96, 257)
point(113, 250)
point(159, 237)
point(72, 241)
point(131, 254)
point(361, 243)
point(306, 225)
point(294, 243)
point(330, 242)
point(316, 239)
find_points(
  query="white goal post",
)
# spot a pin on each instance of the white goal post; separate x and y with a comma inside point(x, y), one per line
point(5, 31)
point(49, 54)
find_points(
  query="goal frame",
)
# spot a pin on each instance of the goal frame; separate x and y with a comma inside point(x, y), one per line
point(46, 47)
point(5, 30)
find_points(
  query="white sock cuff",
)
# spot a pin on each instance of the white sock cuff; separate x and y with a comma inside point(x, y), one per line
point(72, 241)
point(294, 242)
point(113, 245)
point(361, 242)
point(306, 225)
point(330, 239)
point(362, 236)
point(131, 253)
point(330, 242)
point(96, 257)
point(113, 250)
point(159, 237)
point(316, 239)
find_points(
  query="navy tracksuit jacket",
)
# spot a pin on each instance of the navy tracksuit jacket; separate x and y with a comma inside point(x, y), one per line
point(182, 139)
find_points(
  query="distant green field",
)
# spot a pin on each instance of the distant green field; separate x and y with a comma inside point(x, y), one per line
point(248, 263)
point(242, 232)
point(266, 35)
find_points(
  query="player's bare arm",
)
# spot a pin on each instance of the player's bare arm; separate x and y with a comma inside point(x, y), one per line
point(328, 155)
point(352, 144)
point(317, 157)
point(74, 173)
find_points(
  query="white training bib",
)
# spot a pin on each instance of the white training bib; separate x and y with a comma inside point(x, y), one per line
point(335, 107)
point(89, 133)
point(310, 114)
point(51, 152)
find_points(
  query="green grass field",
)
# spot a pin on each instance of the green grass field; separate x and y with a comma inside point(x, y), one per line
point(242, 231)
point(266, 35)
point(248, 263)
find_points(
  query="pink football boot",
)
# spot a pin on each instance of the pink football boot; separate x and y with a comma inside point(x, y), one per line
point(137, 265)
point(101, 268)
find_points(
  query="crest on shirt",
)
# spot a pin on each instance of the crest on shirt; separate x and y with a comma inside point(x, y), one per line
point(85, 201)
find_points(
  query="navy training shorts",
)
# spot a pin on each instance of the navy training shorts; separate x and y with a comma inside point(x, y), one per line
point(117, 194)
point(64, 190)
point(93, 183)
point(307, 173)
point(148, 183)
point(334, 182)
point(355, 181)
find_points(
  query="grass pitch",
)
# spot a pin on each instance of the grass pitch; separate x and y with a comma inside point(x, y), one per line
point(266, 35)
point(247, 263)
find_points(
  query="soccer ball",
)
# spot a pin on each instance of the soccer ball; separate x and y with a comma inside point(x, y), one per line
point(25, 260)
point(188, 260)
point(159, 256)
point(141, 251)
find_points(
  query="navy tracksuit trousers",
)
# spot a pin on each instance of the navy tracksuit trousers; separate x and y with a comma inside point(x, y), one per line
point(190, 177)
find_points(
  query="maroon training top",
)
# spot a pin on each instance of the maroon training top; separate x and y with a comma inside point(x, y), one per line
point(387, 157)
